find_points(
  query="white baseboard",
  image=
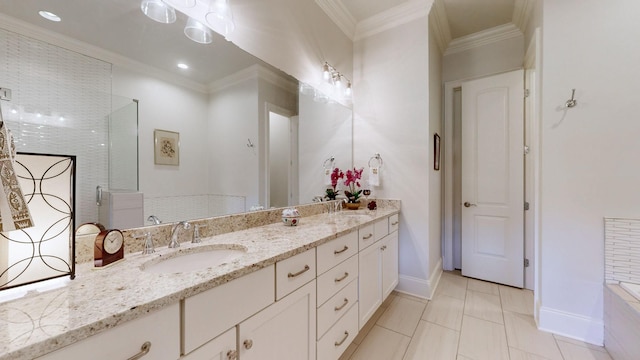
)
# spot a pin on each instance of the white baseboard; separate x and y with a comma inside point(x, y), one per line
point(420, 287)
point(571, 325)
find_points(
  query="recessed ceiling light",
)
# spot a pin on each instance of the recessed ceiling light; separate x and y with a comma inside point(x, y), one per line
point(49, 16)
point(183, 66)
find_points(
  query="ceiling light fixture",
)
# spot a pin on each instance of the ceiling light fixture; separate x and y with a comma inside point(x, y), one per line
point(183, 66)
point(50, 16)
point(220, 17)
point(198, 32)
point(159, 11)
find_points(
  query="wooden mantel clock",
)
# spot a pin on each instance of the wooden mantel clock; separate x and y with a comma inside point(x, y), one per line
point(109, 247)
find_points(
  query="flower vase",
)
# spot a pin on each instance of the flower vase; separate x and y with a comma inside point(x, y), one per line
point(352, 206)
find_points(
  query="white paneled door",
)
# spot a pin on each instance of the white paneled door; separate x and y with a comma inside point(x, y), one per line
point(493, 178)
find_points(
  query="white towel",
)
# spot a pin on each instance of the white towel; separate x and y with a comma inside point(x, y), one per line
point(14, 213)
point(374, 176)
point(327, 176)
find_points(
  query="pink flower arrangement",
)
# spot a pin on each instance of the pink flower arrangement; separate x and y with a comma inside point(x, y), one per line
point(336, 174)
point(353, 182)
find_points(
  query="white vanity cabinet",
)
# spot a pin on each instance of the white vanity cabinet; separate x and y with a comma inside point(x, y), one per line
point(221, 348)
point(337, 320)
point(160, 330)
point(207, 315)
point(285, 330)
point(378, 268)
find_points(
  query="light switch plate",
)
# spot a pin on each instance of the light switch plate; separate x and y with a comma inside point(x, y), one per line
point(5, 94)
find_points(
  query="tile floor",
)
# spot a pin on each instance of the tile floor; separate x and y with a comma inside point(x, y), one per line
point(467, 319)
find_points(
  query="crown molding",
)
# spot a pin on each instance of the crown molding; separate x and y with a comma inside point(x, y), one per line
point(482, 38)
point(398, 15)
point(25, 29)
point(439, 24)
point(522, 11)
point(255, 71)
point(339, 14)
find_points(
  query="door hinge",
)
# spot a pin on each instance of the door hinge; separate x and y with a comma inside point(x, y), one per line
point(526, 149)
point(526, 262)
point(526, 205)
point(526, 93)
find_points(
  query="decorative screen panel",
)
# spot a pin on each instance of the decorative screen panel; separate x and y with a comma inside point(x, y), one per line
point(46, 250)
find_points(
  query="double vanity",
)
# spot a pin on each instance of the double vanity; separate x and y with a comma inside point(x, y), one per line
point(262, 292)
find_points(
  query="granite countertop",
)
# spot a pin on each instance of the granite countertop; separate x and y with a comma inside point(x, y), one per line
point(101, 299)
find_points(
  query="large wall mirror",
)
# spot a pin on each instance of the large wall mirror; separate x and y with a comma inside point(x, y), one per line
point(247, 135)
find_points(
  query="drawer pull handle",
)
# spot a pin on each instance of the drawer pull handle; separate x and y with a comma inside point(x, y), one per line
point(306, 268)
point(346, 274)
point(336, 252)
point(232, 355)
point(248, 344)
point(346, 335)
point(394, 223)
point(367, 237)
point(144, 350)
point(338, 308)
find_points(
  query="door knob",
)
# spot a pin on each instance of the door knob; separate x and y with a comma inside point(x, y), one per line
point(468, 204)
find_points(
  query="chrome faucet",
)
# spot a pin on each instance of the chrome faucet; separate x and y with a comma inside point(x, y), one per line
point(317, 198)
point(174, 233)
point(154, 220)
point(338, 205)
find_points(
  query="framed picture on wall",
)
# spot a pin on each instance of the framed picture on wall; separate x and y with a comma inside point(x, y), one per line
point(166, 147)
point(436, 152)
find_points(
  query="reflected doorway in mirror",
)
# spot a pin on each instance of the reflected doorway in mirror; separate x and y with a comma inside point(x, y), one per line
point(166, 147)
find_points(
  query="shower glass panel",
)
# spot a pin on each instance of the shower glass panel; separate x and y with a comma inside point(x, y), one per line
point(123, 145)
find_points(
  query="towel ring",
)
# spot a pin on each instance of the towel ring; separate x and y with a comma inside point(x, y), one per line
point(378, 158)
point(330, 161)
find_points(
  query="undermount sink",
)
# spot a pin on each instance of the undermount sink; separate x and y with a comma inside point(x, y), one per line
point(193, 259)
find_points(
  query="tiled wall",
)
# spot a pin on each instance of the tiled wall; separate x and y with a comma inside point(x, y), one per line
point(622, 250)
point(177, 208)
point(60, 103)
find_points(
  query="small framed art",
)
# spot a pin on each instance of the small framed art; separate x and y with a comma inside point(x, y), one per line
point(166, 147)
point(436, 152)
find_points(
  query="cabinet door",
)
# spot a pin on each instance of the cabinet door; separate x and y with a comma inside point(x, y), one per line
point(125, 341)
point(370, 285)
point(389, 263)
point(221, 348)
point(285, 330)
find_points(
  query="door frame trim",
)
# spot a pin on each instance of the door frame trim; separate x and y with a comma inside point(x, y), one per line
point(447, 206)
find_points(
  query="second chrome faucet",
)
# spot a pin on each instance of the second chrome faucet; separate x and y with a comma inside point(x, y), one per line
point(174, 233)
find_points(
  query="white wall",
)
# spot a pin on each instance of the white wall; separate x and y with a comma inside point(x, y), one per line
point(165, 106)
point(589, 153)
point(392, 117)
point(292, 35)
point(233, 118)
point(435, 177)
point(485, 60)
point(325, 130)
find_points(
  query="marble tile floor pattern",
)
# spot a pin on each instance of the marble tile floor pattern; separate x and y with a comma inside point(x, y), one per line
point(467, 319)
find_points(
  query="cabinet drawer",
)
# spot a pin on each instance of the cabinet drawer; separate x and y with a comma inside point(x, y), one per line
point(393, 223)
point(221, 348)
point(294, 272)
point(336, 251)
point(366, 236)
point(337, 278)
point(381, 228)
point(125, 340)
point(336, 307)
point(338, 338)
point(209, 314)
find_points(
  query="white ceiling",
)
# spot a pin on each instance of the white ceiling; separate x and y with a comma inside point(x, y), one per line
point(120, 27)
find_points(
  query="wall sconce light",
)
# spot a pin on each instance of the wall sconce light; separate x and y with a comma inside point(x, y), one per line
point(332, 76)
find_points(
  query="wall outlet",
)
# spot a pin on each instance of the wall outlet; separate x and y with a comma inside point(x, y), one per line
point(5, 94)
